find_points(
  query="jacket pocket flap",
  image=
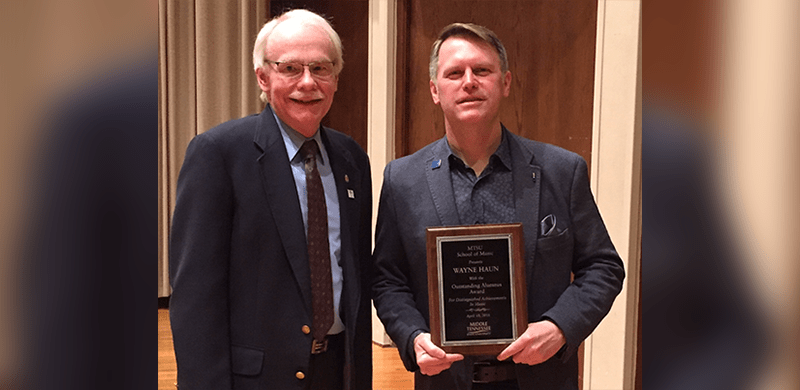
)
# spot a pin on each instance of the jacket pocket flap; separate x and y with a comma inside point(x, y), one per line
point(554, 241)
point(246, 360)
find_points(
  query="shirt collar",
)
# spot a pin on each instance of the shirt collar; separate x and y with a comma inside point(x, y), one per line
point(294, 141)
point(502, 153)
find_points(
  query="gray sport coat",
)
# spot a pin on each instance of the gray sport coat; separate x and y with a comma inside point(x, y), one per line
point(418, 193)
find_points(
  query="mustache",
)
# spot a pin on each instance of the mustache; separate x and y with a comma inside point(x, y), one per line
point(307, 97)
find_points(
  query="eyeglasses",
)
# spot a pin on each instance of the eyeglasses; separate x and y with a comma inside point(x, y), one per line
point(319, 69)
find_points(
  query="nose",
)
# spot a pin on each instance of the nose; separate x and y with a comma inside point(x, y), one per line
point(470, 81)
point(306, 80)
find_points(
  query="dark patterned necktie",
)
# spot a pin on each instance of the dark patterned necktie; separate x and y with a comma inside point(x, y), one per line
point(319, 257)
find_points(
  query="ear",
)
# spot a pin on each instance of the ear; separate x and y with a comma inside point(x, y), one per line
point(507, 83)
point(263, 79)
point(434, 92)
point(336, 83)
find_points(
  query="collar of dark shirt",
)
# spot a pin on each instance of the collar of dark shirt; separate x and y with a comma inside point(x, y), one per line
point(500, 158)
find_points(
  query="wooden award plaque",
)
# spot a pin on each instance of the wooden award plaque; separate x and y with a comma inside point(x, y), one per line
point(476, 287)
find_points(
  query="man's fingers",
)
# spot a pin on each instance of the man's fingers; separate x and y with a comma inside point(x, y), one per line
point(511, 350)
point(437, 353)
point(434, 367)
point(444, 358)
point(432, 359)
point(433, 370)
point(432, 350)
point(424, 345)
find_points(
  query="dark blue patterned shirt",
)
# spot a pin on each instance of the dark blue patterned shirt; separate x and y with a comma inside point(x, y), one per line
point(488, 198)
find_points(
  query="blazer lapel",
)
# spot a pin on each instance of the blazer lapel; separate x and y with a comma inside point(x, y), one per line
point(437, 171)
point(279, 186)
point(527, 177)
point(348, 190)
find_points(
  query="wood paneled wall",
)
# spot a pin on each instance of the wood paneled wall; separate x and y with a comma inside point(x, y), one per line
point(551, 50)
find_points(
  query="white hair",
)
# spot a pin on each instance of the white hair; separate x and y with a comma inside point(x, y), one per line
point(260, 47)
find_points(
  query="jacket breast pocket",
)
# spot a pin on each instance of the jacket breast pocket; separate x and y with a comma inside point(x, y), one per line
point(561, 239)
point(552, 267)
point(246, 360)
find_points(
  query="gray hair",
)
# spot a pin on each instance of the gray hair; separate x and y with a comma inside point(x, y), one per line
point(260, 47)
point(466, 30)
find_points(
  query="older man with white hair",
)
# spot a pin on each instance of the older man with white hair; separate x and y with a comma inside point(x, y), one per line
point(270, 246)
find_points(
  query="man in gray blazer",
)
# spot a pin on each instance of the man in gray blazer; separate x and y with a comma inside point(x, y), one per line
point(481, 173)
point(243, 310)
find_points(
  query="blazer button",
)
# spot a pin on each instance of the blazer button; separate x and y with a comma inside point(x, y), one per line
point(306, 329)
point(300, 375)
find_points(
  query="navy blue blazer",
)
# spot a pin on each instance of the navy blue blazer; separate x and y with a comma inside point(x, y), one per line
point(239, 266)
point(547, 180)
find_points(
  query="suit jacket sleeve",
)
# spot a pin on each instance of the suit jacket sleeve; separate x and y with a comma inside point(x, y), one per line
point(393, 297)
point(597, 268)
point(199, 258)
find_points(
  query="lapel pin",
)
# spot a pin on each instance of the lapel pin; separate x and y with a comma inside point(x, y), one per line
point(436, 164)
point(351, 194)
point(346, 179)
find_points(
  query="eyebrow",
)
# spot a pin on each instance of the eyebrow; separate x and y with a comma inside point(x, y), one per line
point(306, 62)
point(488, 65)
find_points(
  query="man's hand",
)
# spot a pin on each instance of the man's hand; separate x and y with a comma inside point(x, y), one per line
point(539, 342)
point(430, 358)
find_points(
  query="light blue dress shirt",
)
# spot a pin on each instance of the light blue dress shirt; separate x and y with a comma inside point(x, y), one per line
point(293, 141)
